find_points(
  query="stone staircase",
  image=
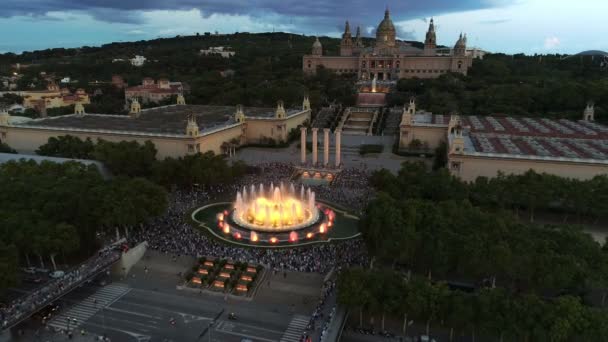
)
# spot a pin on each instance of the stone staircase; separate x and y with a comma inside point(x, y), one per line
point(358, 121)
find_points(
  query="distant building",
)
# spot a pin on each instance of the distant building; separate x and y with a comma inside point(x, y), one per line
point(473, 52)
point(483, 146)
point(389, 59)
point(151, 91)
point(227, 73)
point(53, 97)
point(225, 52)
point(138, 61)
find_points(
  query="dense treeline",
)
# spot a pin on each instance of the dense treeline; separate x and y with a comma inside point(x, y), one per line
point(132, 159)
point(547, 86)
point(530, 191)
point(491, 312)
point(434, 225)
point(267, 67)
point(455, 240)
point(50, 209)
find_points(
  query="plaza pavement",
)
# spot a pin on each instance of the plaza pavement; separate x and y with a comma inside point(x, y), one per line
point(350, 157)
point(138, 308)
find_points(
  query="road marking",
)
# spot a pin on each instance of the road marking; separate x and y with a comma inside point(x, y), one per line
point(153, 327)
point(189, 318)
point(158, 309)
point(89, 306)
point(134, 313)
point(138, 337)
point(245, 335)
point(295, 329)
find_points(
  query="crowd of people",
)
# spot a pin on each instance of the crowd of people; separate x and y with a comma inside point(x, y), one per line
point(24, 306)
point(172, 234)
point(321, 316)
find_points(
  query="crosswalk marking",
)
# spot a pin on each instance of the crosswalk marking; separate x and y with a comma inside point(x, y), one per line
point(87, 308)
point(295, 329)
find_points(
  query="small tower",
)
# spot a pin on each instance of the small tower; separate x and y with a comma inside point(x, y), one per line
point(280, 113)
point(135, 108)
point(454, 121)
point(79, 109)
point(306, 103)
point(5, 117)
point(460, 48)
point(181, 100)
point(411, 108)
point(317, 48)
point(406, 117)
point(589, 113)
point(346, 45)
point(192, 127)
point(457, 140)
point(239, 115)
point(430, 43)
point(358, 41)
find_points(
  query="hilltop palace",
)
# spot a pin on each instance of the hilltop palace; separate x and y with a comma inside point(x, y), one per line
point(390, 59)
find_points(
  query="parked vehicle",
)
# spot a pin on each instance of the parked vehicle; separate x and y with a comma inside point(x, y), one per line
point(42, 270)
point(46, 313)
point(56, 274)
point(29, 270)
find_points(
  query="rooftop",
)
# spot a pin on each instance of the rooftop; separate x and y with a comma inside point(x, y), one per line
point(534, 137)
point(167, 120)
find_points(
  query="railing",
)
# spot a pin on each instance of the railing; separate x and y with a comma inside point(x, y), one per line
point(57, 288)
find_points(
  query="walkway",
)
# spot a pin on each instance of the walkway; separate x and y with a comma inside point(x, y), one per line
point(295, 329)
point(87, 308)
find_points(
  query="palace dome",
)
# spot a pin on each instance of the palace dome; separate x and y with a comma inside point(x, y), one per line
point(386, 33)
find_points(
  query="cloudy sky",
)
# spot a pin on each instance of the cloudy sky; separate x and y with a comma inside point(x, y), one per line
point(511, 26)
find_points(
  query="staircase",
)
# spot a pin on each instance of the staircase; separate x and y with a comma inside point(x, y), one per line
point(359, 121)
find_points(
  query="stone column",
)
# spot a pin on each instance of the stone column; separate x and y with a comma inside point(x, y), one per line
point(314, 146)
point(338, 134)
point(303, 145)
point(325, 147)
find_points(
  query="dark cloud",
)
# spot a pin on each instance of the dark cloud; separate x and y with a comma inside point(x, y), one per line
point(494, 22)
point(321, 14)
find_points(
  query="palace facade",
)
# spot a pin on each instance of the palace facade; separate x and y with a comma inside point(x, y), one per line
point(483, 146)
point(390, 59)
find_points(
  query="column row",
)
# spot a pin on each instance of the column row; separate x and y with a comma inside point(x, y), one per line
point(315, 160)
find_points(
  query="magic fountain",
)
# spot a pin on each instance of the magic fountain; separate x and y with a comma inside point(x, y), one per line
point(275, 209)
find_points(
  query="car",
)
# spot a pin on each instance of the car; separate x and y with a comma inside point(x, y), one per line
point(41, 270)
point(56, 274)
point(29, 270)
point(46, 313)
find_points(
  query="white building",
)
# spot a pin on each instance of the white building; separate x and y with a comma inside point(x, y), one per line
point(138, 61)
point(218, 50)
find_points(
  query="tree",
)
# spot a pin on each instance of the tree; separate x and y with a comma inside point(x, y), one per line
point(8, 266)
point(67, 146)
point(4, 148)
point(126, 158)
